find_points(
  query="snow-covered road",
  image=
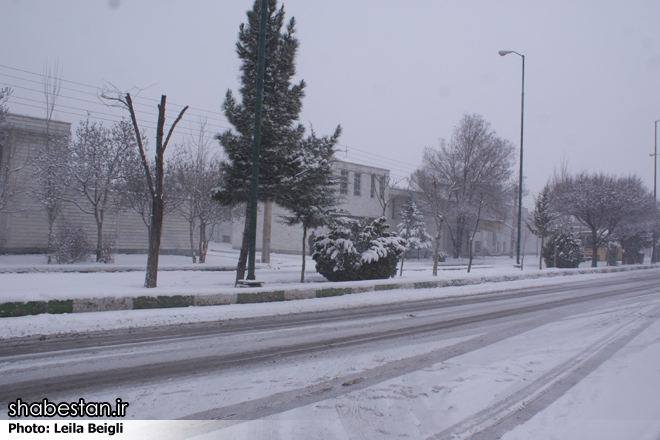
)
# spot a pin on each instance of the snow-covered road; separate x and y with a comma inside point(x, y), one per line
point(482, 366)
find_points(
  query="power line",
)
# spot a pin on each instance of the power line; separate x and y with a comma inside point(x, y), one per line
point(100, 103)
point(396, 167)
point(99, 88)
point(83, 111)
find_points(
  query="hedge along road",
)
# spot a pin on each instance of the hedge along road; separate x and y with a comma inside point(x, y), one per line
point(222, 354)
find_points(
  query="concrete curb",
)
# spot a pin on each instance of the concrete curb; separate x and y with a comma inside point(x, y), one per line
point(111, 269)
point(10, 309)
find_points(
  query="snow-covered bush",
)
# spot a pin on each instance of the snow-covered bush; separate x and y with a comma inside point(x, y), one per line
point(413, 228)
point(568, 251)
point(357, 250)
point(71, 244)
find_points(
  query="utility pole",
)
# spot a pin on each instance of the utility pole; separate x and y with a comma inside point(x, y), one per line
point(254, 182)
point(522, 120)
point(654, 256)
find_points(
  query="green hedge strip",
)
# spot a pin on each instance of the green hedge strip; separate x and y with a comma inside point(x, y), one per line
point(162, 302)
point(35, 308)
point(324, 293)
point(260, 297)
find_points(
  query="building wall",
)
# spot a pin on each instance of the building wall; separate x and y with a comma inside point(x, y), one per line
point(360, 199)
point(24, 228)
point(357, 199)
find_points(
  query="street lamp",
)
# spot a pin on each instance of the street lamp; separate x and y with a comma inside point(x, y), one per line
point(522, 118)
point(654, 255)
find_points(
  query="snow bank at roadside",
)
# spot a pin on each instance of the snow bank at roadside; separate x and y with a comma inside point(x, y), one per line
point(46, 324)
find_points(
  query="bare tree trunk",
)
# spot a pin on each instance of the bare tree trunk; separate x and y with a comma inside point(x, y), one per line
point(594, 248)
point(436, 243)
point(436, 256)
point(403, 257)
point(541, 253)
point(99, 237)
point(268, 218)
point(304, 254)
point(204, 241)
point(191, 236)
point(51, 222)
point(458, 239)
point(474, 232)
point(242, 258)
point(155, 232)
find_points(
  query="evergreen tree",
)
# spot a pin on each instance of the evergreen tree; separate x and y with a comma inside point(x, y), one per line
point(312, 198)
point(282, 103)
point(562, 251)
point(543, 219)
point(413, 229)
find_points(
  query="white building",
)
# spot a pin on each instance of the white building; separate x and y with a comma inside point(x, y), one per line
point(364, 190)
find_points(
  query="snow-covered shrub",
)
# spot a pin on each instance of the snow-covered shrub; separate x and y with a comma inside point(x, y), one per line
point(568, 250)
point(413, 228)
point(357, 250)
point(71, 244)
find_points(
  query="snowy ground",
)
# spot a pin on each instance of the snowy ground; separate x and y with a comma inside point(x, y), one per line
point(618, 400)
point(282, 273)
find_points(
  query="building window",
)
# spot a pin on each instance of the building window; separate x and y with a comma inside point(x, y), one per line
point(373, 186)
point(343, 182)
point(357, 184)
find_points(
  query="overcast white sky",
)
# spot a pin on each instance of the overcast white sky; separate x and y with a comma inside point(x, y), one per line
point(397, 75)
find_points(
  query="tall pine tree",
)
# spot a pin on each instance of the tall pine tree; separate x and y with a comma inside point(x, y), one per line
point(282, 103)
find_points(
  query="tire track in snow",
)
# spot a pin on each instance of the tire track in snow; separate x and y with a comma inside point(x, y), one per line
point(287, 400)
point(275, 403)
point(501, 417)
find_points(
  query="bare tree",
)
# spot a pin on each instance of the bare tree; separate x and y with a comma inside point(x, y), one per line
point(155, 179)
point(474, 231)
point(50, 162)
point(384, 193)
point(51, 83)
point(196, 172)
point(134, 189)
point(475, 163)
point(433, 197)
point(602, 203)
point(97, 163)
